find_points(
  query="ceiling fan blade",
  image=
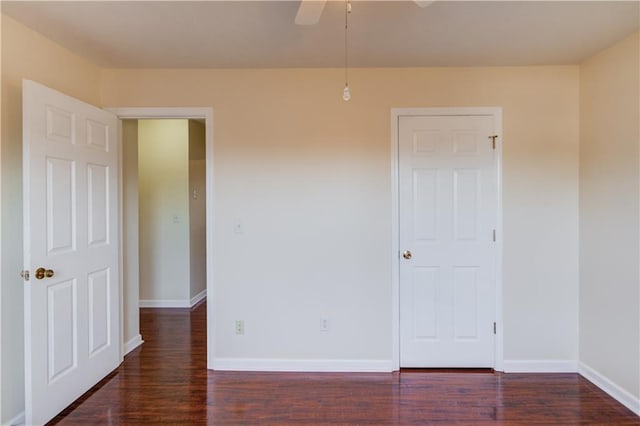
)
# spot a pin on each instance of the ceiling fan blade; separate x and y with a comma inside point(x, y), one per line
point(309, 11)
point(423, 3)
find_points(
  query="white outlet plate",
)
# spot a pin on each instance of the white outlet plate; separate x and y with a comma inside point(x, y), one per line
point(239, 326)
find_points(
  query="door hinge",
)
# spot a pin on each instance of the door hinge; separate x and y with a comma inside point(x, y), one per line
point(25, 274)
point(494, 327)
point(494, 235)
point(493, 141)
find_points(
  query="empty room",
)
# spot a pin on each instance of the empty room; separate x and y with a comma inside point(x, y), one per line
point(396, 212)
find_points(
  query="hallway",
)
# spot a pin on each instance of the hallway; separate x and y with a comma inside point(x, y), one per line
point(166, 381)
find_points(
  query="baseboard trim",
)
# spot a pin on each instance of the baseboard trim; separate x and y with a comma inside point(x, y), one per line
point(198, 297)
point(298, 365)
point(616, 392)
point(133, 343)
point(540, 366)
point(167, 303)
point(17, 420)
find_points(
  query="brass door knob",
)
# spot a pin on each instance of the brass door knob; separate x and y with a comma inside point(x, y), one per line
point(407, 254)
point(43, 273)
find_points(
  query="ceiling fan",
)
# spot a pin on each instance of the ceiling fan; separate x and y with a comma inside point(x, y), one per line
point(310, 10)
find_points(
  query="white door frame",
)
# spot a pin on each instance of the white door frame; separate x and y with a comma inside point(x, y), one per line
point(184, 113)
point(396, 113)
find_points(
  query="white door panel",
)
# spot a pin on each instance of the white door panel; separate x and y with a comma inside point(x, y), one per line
point(448, 198)
point(70, 225)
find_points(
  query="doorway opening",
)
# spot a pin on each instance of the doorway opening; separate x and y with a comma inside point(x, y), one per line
point(165, 221)
point(170, 180)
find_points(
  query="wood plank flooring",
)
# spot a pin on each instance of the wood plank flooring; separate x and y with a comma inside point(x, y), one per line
point(166, 381)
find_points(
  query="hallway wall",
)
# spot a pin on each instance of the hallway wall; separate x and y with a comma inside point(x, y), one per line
point(163, 177)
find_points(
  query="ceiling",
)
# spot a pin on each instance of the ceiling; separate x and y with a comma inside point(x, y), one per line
point(262, 34)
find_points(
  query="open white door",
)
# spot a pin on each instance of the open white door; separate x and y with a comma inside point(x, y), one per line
point(71, 299)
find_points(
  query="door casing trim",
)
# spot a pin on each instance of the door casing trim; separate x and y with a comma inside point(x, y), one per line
point(206, 113)
point(396, 113)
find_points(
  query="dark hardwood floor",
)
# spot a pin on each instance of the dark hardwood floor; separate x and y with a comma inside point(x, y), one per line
point(166, 381)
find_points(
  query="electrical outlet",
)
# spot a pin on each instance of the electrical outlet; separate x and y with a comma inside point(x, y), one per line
point(324, 324)
point(239, 326)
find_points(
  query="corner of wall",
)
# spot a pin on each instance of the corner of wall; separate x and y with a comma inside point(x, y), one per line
point(609, 234)
point(616, 392)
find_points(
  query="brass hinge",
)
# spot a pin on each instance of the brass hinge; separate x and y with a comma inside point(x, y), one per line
point(494, 327)
point(25, 274)
point(493, 141)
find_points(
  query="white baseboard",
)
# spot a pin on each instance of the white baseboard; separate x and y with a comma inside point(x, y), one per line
point(166, 303)
point(616, 392)
point(198, 297)
point(173, 303)
point(17, 420)
point(300, 365)
point(540, 366)
point(133, 343)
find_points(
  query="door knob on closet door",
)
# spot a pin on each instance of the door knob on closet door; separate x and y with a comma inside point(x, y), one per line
point(407, 254)
point(43, 273)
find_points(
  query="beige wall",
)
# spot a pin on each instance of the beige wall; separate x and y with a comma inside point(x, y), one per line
point(609, 214)
point(25, 54)
point(308, 178)
point(197, 209)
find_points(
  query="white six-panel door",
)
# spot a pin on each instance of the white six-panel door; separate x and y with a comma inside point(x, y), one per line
point(448, 209)
point(71, 231)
